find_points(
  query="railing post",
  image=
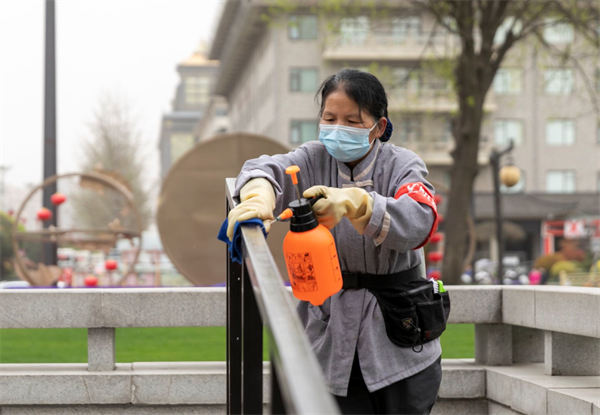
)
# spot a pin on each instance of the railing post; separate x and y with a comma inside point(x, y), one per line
point(101, 349)
point(234, 335)
point(252, 351)
point(571, 355)
point(493, 344)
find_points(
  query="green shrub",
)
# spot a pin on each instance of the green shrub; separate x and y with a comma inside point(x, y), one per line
point(566, 266)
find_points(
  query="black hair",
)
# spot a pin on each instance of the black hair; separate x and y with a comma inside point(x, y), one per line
point(364, 89)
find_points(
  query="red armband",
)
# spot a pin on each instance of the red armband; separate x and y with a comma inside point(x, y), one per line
point(418, 192)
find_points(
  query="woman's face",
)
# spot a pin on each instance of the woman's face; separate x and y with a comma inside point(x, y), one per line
point(340, 109)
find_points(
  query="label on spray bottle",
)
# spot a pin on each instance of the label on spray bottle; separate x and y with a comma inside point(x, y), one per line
point(301, 270)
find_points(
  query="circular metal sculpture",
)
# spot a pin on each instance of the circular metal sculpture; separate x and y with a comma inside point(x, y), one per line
point(191, 205)
point(101, 238)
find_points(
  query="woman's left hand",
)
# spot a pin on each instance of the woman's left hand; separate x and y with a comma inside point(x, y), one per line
point(354, 203)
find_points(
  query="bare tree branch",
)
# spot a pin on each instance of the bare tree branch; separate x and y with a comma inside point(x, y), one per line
point(575, 62)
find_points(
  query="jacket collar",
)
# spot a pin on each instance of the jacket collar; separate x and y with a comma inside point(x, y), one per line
point(364, 169)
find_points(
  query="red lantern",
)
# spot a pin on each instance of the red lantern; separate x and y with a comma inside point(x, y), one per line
point(438, 199)
point(435, 238)
point(90, 281)
point(435, 256)
point(436, 275)
point(44, 214)
point(110, 264)
point(58, 198)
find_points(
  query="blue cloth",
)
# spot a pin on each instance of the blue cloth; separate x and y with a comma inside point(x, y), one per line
point(235, 247)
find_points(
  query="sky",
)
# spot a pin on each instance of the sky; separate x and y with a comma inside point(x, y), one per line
point(124, 48)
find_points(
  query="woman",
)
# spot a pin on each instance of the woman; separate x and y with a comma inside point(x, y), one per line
point(377, 219)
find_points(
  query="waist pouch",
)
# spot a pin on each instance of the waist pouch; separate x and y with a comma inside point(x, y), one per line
point(413, 313)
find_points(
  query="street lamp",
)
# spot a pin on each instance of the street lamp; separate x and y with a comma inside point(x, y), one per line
point(510, 176)
point(50, 249)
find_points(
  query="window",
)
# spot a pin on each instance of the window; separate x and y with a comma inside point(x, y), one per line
point(408, 131)
point(442, 31)
point(441, 141)
point(558, 81)
point(303, 27)
point(505, 130)
point(558, 32)
point(517, 188)
point(304, 79)
point(220, 112)
point(303, 131)
point(560, 132)
point(180, 143)
point(407, 79)
point(197, 89)
point(405, 27)
point(504, 27)
point(508, 81)
point(560, 181)
point(447, 130)
point(354, 30)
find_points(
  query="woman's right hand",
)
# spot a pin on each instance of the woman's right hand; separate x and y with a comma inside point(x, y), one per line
point(257, 201)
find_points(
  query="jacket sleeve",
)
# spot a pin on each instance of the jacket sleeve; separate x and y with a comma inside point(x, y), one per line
point(273, 168)
point(405, 220)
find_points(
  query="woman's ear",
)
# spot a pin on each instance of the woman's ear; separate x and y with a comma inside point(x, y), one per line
point(381, 125)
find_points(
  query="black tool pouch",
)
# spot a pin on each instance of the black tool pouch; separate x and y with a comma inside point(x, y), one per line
point(413, 313)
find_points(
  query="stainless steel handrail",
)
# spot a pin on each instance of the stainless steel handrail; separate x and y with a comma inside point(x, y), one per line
point(298, 374)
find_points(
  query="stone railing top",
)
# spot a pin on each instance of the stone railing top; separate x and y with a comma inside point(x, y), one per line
point(112, 307)
point(573, 310)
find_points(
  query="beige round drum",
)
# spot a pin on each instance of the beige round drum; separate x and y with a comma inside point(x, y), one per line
point(192, 205)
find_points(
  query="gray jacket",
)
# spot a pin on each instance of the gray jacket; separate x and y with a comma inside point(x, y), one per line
point(351, 320)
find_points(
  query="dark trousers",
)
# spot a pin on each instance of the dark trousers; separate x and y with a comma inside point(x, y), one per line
point(413, 395)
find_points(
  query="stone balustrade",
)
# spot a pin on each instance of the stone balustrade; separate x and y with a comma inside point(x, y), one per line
point(537, 351)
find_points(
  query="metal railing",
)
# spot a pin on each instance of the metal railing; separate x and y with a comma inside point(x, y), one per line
point(256, 296)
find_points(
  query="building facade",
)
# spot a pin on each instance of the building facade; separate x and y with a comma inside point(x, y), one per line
point(272, 67)
point(191, 99)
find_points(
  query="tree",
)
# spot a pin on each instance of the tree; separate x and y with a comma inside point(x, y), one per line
point(113, 149)
point(30, 249)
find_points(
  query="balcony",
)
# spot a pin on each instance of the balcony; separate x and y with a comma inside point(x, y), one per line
point(370, 46)
point(435, 151)
point(430, 98)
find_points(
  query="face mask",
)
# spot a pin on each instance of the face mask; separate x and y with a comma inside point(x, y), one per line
point(345, 144)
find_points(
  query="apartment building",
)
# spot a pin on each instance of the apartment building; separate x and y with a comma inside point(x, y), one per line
point(192, 95)
point(271, 69)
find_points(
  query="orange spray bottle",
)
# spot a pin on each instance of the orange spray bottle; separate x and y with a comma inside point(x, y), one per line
point(309, 250)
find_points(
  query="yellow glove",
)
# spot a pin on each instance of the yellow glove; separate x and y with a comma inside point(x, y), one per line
point(354, 203)
point(257, 201)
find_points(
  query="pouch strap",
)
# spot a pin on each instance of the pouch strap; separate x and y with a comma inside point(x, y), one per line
point(374, 281)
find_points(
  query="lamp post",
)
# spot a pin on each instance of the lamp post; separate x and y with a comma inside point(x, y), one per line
point(50, 249)
point(495, 157)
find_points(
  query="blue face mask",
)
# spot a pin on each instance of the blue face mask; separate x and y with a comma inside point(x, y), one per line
point(345, 144)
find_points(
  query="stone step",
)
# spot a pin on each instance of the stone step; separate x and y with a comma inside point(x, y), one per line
point(199, 388)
